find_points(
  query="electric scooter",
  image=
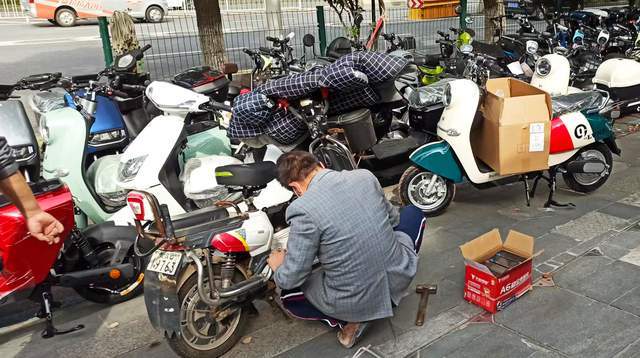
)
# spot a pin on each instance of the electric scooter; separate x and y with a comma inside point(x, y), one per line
point(210, 260)
point(121, 113)
point(96, 187)
point(98, 263)
point(16, 127)
point(580, 149)
point(178, 177)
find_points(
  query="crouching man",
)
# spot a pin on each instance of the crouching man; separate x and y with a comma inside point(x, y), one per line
point(367, 251)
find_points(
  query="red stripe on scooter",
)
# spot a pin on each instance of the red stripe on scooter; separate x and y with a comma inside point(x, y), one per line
point(560, 137)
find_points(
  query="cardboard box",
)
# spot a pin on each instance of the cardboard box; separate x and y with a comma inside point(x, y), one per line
point(481, 286)
point(514, 135)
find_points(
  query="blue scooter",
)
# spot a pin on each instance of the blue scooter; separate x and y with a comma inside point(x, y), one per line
point(121, 113)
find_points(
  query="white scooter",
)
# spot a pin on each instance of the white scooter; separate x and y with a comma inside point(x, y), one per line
point(580, 149)
point(155, 161)
point(618, 76)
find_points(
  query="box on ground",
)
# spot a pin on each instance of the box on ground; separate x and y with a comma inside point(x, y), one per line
point(482, 286)
point(514, 134)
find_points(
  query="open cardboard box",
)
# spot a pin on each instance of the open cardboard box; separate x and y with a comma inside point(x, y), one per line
point(481, 286)
point(515, 131)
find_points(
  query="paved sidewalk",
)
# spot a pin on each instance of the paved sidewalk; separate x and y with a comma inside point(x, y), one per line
point(592, 251)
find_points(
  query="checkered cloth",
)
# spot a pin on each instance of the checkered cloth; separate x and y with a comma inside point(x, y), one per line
point(351, 81)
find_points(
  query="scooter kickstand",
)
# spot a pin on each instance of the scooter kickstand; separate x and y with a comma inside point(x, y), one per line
point(526, 190)
point(50, 330)
point(552, 190)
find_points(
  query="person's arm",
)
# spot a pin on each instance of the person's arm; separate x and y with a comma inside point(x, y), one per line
point(41, 225)
point(302, 248)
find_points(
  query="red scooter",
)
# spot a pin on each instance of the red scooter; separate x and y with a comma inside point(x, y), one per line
point(97, 264)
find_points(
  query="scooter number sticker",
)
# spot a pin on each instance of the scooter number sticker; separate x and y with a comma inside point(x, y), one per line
point(165, 262)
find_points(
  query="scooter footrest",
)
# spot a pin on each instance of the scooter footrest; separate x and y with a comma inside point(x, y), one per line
point(394, 147)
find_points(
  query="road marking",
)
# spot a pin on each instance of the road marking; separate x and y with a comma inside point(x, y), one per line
point(35, 42)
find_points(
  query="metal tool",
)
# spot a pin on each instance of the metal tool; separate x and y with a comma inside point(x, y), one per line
point(424, 290)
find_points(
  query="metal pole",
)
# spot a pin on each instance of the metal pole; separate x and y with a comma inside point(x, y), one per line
point(322, 32)
point(106, 41)
point(373, 12)
point(463, 14)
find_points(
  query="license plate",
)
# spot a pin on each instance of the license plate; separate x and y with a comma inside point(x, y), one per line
point(165, 262)
point(513, 5)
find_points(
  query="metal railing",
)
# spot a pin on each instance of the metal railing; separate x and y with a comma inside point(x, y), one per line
point(176, 43)
point(11, 9)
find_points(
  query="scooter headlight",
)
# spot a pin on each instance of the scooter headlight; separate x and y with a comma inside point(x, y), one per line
point(603, 37)
point(532, 47)
point(446, 96)
point(128, 170)
point(105, 138)
point(543, 67)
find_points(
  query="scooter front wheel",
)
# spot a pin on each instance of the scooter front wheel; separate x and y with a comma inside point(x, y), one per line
point(428, 191)
point(204, 330)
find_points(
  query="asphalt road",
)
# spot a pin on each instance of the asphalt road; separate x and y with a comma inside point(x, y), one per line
point(37, 47)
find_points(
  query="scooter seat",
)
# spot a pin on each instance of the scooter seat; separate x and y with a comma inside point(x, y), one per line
point(251, 175)
point(427, 60)
point(573, 102)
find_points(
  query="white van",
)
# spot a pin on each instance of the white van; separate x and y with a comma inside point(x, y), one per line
point(66, 12)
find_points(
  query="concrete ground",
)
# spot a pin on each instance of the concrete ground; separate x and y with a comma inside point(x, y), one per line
point(593, 310)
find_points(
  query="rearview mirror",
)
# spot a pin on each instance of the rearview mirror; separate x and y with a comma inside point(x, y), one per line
point(308, 40)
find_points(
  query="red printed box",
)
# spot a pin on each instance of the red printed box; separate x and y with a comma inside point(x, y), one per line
point(484, 288)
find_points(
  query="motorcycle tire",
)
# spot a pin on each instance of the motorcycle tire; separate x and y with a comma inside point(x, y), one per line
point(582, 185)
point(106, 297)
point(407, 194)
point(178, 342)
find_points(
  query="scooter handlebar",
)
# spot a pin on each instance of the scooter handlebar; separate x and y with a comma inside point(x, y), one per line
point(220, 106)
point(118, 93)
point(145, 48)
point(133, 87)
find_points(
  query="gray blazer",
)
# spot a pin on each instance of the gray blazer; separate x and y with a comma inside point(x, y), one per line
point(345, 220)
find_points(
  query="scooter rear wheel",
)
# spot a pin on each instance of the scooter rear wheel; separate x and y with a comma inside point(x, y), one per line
point(416, 189)
point(587, 183)
point(202, 335)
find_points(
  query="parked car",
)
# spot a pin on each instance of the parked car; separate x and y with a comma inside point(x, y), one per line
point(65, 13)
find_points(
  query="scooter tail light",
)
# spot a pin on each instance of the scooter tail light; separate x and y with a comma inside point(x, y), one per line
point(136, 204)
point(324, 91)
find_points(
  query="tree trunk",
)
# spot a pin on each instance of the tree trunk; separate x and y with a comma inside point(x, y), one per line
point(493, 8)
point(210, 30)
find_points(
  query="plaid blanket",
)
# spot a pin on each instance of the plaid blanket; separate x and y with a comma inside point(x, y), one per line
point(351, 81)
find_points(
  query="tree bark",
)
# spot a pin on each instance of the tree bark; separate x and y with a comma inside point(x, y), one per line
point(492, 8)
point(210, 30)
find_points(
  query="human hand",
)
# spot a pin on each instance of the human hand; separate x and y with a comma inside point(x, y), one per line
point(44, 227)
point(276, 258)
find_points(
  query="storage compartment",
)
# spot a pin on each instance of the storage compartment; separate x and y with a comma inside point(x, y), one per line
point(619, 76)
point(426, 119)
point(514, 135)
point(205, 80)
point(358, 129)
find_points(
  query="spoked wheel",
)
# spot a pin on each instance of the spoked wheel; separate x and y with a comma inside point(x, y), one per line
point(117, 291)
point(429, 192)
point(205, 331)
point(588, 182)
